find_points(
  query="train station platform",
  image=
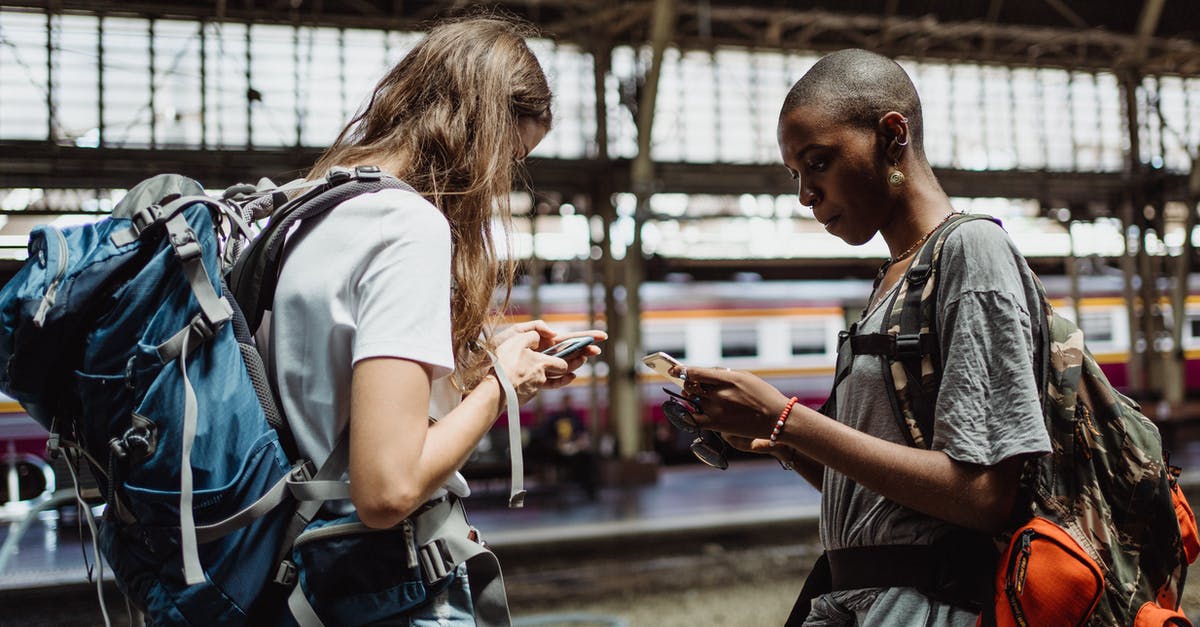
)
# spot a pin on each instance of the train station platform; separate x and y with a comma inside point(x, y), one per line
point(684, 500)
point(694, 528)
point(562, 545)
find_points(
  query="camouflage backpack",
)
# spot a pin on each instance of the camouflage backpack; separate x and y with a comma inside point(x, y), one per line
point(1102, 511)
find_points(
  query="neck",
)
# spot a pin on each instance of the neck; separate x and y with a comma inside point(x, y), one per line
point(923, 207)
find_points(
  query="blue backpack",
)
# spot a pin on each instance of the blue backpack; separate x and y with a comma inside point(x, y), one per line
point(121, 338)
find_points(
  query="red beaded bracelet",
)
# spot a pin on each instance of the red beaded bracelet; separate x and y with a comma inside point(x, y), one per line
point(783, 416)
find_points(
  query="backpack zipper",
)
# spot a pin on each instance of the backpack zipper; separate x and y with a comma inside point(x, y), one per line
point(344, 529)
point(1018, 565)
point(1018, 569)
point(333, 531)
point(43, 309)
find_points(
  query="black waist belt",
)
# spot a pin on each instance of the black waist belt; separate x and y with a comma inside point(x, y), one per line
point(956, 571)
point(895, 566)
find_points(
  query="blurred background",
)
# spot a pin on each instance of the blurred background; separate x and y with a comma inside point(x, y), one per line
point(657, 209)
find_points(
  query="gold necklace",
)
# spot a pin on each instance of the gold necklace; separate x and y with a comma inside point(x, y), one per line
point(917, 244)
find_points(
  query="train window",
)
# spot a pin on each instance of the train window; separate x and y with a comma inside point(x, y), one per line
point(1194, 325)
point(808, 338)
point(670, 340)
point(739, 340)
point(1097, 326)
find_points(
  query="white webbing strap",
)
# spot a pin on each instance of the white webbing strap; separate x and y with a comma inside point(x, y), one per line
point(516, 495)
point(265, 503)
point(301, 609)
point(192, 571)
point(91, 522)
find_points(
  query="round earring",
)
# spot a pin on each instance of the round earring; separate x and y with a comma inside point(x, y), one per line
point(896, 178)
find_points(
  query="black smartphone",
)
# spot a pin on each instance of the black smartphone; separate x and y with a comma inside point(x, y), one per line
point(566, 348)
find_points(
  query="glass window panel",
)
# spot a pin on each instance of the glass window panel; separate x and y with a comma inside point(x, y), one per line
point(808, 338)
point(23, 113)
point(1097, 326)
point(739, 339)
point(1194, 326)
point(76, 86)
point(225, 87)
point(273, 108)
point(671, 340)
point(176, 80)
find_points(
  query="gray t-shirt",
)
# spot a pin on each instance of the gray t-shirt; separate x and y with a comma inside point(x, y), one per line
point(987, 408)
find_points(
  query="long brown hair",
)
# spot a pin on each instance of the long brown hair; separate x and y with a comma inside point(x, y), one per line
point(446, 118)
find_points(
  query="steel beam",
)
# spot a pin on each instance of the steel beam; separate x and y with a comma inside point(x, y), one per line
point(924, 37)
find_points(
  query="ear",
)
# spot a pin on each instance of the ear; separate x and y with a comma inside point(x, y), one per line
point(893, 128)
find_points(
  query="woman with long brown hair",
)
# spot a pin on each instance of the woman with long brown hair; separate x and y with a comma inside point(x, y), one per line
point(383, 322)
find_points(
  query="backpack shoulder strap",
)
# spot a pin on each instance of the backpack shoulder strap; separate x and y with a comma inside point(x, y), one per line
point(253, 277)
point(909, 343)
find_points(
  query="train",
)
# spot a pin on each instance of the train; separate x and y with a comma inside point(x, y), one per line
point(783, 331)
point(787, 331)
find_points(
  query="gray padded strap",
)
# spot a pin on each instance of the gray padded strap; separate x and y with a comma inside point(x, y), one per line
point(516, 495)
point(446, 523)
point(313, 490)
point(183, 239)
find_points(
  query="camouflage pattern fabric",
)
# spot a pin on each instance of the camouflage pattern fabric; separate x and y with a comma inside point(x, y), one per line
point(1106, 482)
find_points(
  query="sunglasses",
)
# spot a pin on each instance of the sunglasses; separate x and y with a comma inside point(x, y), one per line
point(708, 447)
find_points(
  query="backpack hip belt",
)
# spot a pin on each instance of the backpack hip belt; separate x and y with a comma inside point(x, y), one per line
point(440, 540)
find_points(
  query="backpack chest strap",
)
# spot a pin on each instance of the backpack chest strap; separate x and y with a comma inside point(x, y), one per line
point(901, 346)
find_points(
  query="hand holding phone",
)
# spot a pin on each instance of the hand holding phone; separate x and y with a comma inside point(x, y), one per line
point(662, 363)
point(568, 347)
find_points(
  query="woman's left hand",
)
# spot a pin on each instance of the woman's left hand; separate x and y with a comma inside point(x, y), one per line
point(546, 334)
point(733, 402)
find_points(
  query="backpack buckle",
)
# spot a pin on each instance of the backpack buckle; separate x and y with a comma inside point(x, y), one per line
point(918, 273)
point(185, 244)
point(337, 176)
point(368, 173)
point(144, 217)
point(435, 560)
point(285, 574)
point(908, 345)
point(203, 328)
point(303, 471)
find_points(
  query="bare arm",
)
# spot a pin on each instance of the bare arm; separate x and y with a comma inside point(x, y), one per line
point(811, 470)
point(398, 459)
point(977, 497)
point(928, 481)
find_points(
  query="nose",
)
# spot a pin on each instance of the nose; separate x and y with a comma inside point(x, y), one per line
point(808, 196)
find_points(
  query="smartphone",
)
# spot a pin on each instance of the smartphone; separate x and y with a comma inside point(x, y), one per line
point(566, 348)
point(662, 363)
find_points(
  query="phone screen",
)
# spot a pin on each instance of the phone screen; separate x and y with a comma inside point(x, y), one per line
point(566, 348)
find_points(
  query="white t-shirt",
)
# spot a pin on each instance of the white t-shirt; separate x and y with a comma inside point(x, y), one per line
point(370, 278)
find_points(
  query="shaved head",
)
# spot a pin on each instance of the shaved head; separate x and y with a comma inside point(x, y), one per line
point(857, 87)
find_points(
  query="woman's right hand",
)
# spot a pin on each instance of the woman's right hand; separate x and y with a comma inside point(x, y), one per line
point(732, 401)
point(531, 371)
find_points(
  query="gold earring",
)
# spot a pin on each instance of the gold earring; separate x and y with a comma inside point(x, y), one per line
point(896, 178)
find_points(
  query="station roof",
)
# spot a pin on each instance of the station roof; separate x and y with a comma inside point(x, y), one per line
point(1157, 36)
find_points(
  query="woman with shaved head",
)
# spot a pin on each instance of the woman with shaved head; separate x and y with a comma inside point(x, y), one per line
point(906, 527)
